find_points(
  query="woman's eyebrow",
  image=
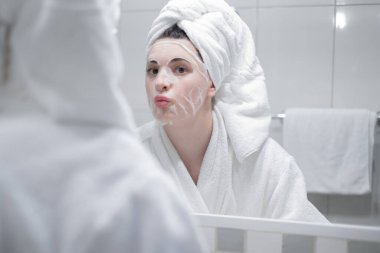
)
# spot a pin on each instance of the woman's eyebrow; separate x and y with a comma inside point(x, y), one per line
point(178, 59)
point(152, 61)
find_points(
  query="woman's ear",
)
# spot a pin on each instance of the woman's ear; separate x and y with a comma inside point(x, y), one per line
point(211, 91)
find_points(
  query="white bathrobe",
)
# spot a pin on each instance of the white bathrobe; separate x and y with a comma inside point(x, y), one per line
point(266, 184)
point(73, 176)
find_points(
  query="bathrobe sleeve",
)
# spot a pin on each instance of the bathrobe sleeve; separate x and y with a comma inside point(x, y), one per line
point(289, 199)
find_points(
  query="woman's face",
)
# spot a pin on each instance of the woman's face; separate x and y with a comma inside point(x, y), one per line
point(177, 82)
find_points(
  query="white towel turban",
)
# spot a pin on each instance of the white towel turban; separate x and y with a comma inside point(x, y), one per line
point(227, 48)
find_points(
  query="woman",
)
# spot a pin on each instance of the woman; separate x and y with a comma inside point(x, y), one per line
point(207, 93)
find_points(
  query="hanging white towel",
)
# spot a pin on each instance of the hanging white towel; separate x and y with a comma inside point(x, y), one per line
point(333, 148)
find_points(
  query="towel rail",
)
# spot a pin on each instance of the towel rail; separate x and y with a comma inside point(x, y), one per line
point(281, 116)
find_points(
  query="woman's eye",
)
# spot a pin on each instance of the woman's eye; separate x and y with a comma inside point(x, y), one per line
point(180, 70)
point(152, 71)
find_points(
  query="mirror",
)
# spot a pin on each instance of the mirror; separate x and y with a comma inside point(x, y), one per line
point(313, 55)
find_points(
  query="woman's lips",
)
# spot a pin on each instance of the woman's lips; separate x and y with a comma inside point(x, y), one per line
point(162, 102)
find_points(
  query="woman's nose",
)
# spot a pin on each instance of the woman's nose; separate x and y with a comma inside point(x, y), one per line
point(163, 82)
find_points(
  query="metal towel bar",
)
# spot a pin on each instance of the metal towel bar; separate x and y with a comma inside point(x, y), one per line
point(282, 116)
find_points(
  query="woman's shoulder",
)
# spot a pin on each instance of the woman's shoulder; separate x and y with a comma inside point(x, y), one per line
point(273, 154)
point(271, 146)
point(271, 163)
point(145, 132)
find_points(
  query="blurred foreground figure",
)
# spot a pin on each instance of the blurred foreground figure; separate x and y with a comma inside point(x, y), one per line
point(73, 178)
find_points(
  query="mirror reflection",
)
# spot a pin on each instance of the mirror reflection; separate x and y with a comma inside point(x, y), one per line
point(306, 55)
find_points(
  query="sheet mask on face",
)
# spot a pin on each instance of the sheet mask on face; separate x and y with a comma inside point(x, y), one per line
point(176, 80)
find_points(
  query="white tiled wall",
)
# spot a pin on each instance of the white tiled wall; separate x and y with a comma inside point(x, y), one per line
point(135, 5)
point(249, 15)
point(357, 58)
point(276, 3)
point(134, 27)
point(359, 2)
point(295, 47)
point(243, 3)
point(308, 62)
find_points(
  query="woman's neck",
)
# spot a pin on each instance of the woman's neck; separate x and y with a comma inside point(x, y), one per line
point(190, 138)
